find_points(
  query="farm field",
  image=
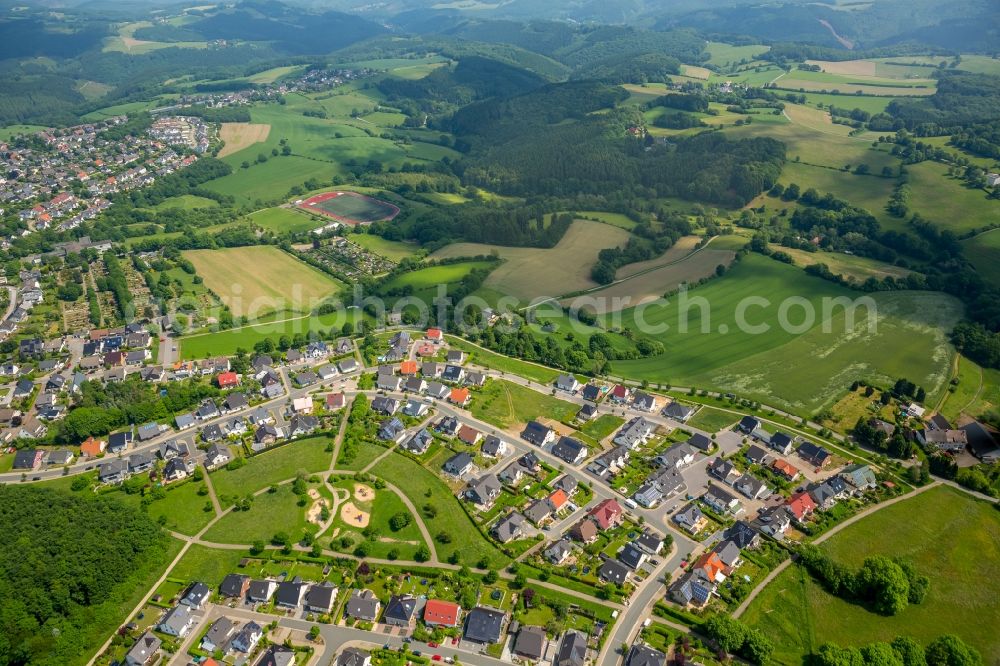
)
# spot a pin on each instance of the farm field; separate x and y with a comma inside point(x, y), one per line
point(238, 136)
point(391, 250)
point(272, 180)
point(867, 103)
point(614, 219)
point(424, 282)
point(275, 73)
point(848, 266)
point(802, 368)
point(869, 192)
point(528, 273)
point(285, 220)
point(423, 487)
point(984, 253)
point(279, 464)
point(638, 288)
point(799, 615)
point(976, 394)
point(279, 283)
point(722, 54)
point(507, 405)
point(948, 202)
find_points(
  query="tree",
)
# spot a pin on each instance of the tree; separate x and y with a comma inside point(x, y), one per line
point(313, 632)
point(730, 634)
point(490, 577)
point(757, 647)
point(399, 521)
point(950, 650)
point(910, 652)
point(883, 582)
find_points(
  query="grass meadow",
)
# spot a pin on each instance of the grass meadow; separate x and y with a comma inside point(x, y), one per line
point(947, 202)
point(269, 514)
point(802, 369)
point(506, 405)
point(285, 220)
point(950, 537)
point(270, 467)
point(278, 282)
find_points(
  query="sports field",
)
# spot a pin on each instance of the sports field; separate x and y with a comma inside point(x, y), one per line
point(801, 367)
point(238, 136)
point(257, 280)
point(531, 272)
point(950, 537)
point(350, 207)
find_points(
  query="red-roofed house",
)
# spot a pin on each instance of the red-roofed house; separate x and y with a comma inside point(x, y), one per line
point(434, 335)
point(443, 613)
point(620, 393)
point(460, 396)
point(227, 380)
point(786, 469)
point(608, 514)
point(335, 400)
point(92, 447)
point(469, 435)
point(408, 368)
point(712, 566)
point(558, 499)
point(801, 505)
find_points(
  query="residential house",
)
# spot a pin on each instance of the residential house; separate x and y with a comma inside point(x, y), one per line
point(801, 505)
point(441, 613)
point(261, 591)
point(384, 405)
point(319, 598)
point(217, 455)
point(112, 471)
point(724, 470)
point(789, 471)
point(757, 456)
point(613, 571)
point(453, 374)
point(437, 390)
point(608, 514)
point(632, 556)
point(572, 649)
point(643, 655)
point(584, 531)
point(459, 464)
point(494, 447)
point(782, 443)
point(177, 621)
point(290, 592)
point(860, 476)
point(530, 643)
point(742, 534)
point(247, 637)
point(275, 655)
point(643, 402)
point(485, 625)
point(363, 605)
point(774, 520)
point(483, 492)
point(509, 527)
point(700, 442)
point(234, 586)
point(751, 487)
point(691, 589)
point(591, 392)
point(414, 385)
point(392, 430)
point(196, 595)
point(619, 394)
point(814, 454)
point(678, 412)
point(460, 396)
point(469, 435)
point(353, 657)
point(635, 433)
point(649, 542)
point(748, 424)
point(691, 518)
point(586, 413)
point(982, 442)
point(401, 610)
point(567, 383)
point(571, 450)
point(92, 447)
point(218, 635)
point(721, 500)
point(537, 434)
point(302, 424)
point(677, 456)
point(143, 651)
point(559, 551)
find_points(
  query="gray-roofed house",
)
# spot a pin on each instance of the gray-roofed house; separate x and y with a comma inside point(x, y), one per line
point(247, 637)
point(643, 655)
point(353, 657)
point(724, 470)
point(982, 442)
point(537, 434)
point(319, 598)
point(781, 442)
point(509, 527)
point(196, 595)
point(483, 492)
point(143, 651)
point(459, 464)
point(751, 487)
point(757, 455)
point(742, 534)
point(261, 591)
point(401, 611)
point(721, 500)
point(572, 649)
point(559, 551)
point(677, 411)
point(485, 625)
point(234, 586)
point(613, 571)
point(112, 471)
point(530, 643)
point(635, 433)
point(347, 365)
point(691, 518)
point(632, 556)
point(277, 655)
point(571, 450)
point(650, 542)
point(494, 447)
point(363, 605)
point(860, 476)
point(217, 455)
point(567, 383)
point(290, 593)
point(218, 635)
point(177, 622)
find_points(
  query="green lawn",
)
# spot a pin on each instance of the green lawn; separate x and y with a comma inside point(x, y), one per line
point(501, 363)
point(801, 369)
point(953, 539)
point(283, 462)
point(367, 452)
point(602, 426)
point(424, 487)
point(392, 250)
point(269, 514)
point(208, 565)
point(386, 505)
point(505, 404)
point(710, 419)
point(183, 509)
point(285, 220)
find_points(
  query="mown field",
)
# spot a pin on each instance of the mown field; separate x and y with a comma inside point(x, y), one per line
point(801, 368)
point(424, 282)
point(285, 220)
point(949, 537)
point(274, 466)
point(984, 253)
point(238, 136)
point(277, 283)
point(528, 273)
point(846, 265)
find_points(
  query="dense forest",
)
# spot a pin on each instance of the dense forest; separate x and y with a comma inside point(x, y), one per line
point(66, 563)
point(961, 99)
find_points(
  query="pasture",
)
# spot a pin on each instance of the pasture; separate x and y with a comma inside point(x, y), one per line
point(277, 283)
point(529, 273)
point(798, 366)
point(799, 616)
point(237, 136)
point(948, 202)
point(10, 131)
point(284, 220)
point(869, 192)
point(721, 54)
point(682, 248)
point(845, 265)
point(984, 253)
